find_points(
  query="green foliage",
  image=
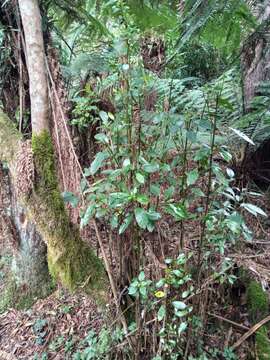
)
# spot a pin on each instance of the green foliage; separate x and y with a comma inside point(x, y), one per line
point(134, 182)
point(167, 298)
point(220, 23)
point(169, 164)
point(84, 112)
point(100, 346)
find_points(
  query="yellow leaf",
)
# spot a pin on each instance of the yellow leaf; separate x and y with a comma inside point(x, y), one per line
point(159, 294)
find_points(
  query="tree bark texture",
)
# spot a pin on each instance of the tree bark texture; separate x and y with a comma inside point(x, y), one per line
point(35, 59)
point(256, 57)
point(29, 278)
point(70, 260)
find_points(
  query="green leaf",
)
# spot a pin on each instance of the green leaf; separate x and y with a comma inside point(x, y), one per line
point(225, 155)
point(97, 163)
point(114, 222)
point(88, 215)
point(142, 199)
point(177, 272)
point(192, 177)
point(70, 198)
point(197, 192)
point(104, 116)
point(185, 294)
point(141, 217)
point(178, 211)
point(161, 313)
point(160, 283)
point(143, 291)
point(253, 209)
point(225, 103)
point(153, 215)
point(141, 276)
point(126, 163)
point(182, 327)
point(155, 189)
point(102, 138)
point(118, 199)
point(168, 193)
point(132, 290)
point(179, 305)
point(150, 226)
point(181, 313)
point(140, 178)
point(125, 224)
point(151, 168)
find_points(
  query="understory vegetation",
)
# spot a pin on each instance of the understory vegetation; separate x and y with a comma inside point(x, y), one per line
point(149, 183)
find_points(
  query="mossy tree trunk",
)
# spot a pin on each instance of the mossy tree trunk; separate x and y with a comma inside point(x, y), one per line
point(29, 278)
point(70, 260)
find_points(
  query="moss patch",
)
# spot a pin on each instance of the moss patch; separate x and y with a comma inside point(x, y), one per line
point(257, 301)
point(263, 344)
point(22, 297)
point(258, 307)
point(70, 260)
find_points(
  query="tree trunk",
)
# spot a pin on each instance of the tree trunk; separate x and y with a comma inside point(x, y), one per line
point(70, 260)
point(29, 278)
point(256, 57)
point(35, 59)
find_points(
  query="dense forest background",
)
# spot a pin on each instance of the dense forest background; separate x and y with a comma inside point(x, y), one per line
point(134, 179)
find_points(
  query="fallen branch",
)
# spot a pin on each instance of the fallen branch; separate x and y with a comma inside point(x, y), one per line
point(228, 321)
point(250, 332)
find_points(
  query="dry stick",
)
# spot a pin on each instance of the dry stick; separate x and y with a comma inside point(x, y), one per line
point(228, 321)
point(58, 142)
point(250, 332)
point(108, 269)
point(63, 117)
point(20, 94)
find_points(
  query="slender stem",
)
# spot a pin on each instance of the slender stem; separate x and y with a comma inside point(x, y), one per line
point(208, 193)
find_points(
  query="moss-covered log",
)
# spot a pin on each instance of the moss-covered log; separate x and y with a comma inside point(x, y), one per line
point(71, 261)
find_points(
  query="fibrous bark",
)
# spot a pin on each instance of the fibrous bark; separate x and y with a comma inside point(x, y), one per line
point(29, 278)
point(70, 260)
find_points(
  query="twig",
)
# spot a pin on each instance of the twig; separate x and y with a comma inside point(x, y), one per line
point(109, 272)
point(228, 321)
point(250, 332)
point(63, 117)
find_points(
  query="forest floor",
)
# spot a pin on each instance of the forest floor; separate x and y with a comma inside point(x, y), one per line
point(58, 326)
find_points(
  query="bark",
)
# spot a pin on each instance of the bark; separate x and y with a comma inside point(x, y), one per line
point(30, 277)
point(256, 57)
point(70, 260)
point(35, 58)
